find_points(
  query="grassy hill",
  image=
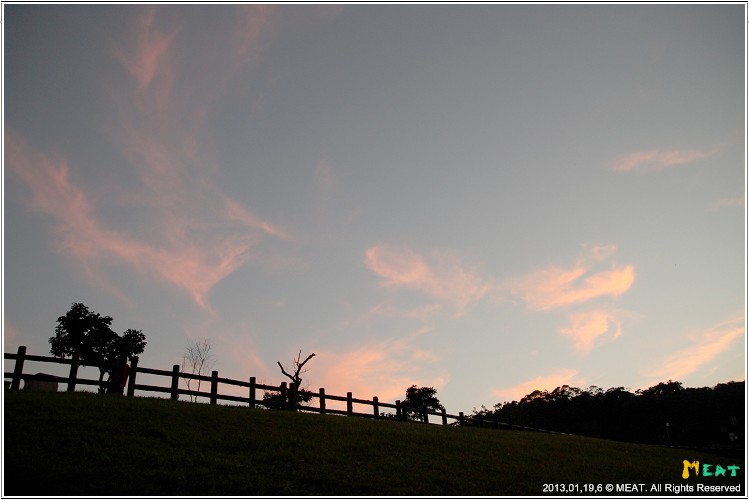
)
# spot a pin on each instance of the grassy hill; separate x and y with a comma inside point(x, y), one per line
point(86, 444)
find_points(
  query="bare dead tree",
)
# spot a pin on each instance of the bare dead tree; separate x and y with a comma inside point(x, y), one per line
point(198, 359)
point(298, 364)
point(296, 378)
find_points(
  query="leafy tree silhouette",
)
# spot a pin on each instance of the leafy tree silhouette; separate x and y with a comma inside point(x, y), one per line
point(421, 398)
point(89, 335)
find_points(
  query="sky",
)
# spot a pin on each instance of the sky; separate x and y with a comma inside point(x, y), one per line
point(484, 199)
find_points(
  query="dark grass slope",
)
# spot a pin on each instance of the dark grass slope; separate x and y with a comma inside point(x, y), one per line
point(86, 444)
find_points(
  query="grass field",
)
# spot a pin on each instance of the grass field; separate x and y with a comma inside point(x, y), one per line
point(87, 444)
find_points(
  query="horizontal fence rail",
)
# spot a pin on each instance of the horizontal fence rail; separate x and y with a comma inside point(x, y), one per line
point(287, 393)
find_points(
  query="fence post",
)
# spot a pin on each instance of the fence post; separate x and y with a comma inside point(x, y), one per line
point(349, 403)
point(18, 370)
point(133, 372)
point(398, 409)
point(480, 420)
point(322, 400)
point(252, 392)
point(292, 396)
point(175, 382)
point(73, 373)
point(461, 419)
point(282, 390)
point(425, 413)
point(444, 416)
point(214, 386)
point(376, 405)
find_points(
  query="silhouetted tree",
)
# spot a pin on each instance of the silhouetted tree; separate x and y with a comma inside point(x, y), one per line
point(89, 335)
point(198, 359)
point(662, 390)
point(421, 398)
point(293, 398)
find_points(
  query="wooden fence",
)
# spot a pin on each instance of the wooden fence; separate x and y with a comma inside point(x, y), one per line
point(287, 392)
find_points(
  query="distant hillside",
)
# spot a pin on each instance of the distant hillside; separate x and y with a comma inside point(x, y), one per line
point(87, 444)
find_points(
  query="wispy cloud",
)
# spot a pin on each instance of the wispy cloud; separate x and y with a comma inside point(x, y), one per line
point(737, 202)
point(587, 327)
point(150, 47)
point(593, 276)
point(49, 180)
point(659, 159)
point(193, 265)
point(554, 287)
point(540, 383)
point(445, 277)
point(195, 235)
point(700, 350)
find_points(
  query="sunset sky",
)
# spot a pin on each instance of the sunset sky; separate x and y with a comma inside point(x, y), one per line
point(484, 199)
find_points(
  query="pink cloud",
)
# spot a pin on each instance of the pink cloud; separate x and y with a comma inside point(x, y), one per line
point(398, 266)
point(212, 231)
point(160, 134)
point(194, 265)
point(236, 212)
point(703, 349)
point(151, 47)
point(587, 327)
point(555, 287)
point(658, 159)
point(540, 383)
point(52, 192)
point(194, 234)
point(445, 278)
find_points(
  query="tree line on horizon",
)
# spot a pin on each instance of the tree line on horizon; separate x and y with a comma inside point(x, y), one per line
point(666, 413)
